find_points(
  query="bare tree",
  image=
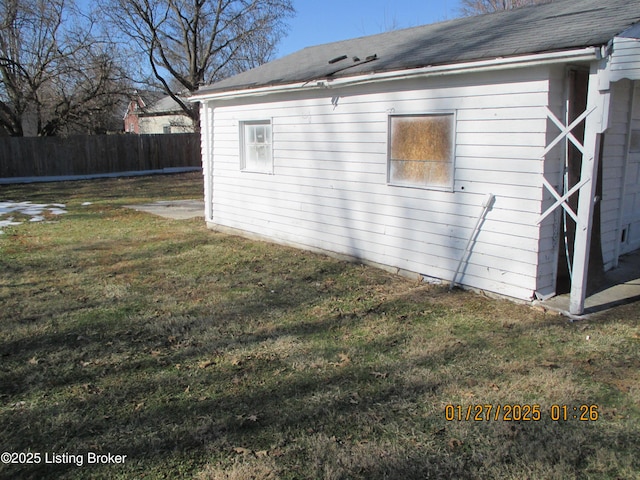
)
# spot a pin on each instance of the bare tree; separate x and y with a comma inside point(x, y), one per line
point(188, 43)
point(56, 77)
point(475, 7)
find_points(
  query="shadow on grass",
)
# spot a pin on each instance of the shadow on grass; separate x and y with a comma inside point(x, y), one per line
point(328, 418)
point(199, 354)
point(337, 421)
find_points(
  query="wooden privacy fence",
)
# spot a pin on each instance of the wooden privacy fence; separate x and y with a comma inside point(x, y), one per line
point(90, 155)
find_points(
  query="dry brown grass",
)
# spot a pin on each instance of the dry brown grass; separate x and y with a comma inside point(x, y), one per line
point(201, 355)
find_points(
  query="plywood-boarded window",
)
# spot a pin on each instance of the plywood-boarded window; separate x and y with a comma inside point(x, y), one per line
point(256, 153)
point(421, 150)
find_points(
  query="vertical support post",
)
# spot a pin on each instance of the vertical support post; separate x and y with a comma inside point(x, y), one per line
point(584, 227)
point(595, 125)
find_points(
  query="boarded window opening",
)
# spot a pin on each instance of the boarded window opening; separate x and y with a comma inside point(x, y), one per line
point(421, 150)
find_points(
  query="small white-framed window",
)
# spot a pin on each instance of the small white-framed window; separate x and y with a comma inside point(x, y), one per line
point(422, 150)
point(256, 151)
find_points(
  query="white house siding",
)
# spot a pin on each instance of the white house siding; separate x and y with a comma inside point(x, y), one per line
point(329, 185)
point(623, 146)
point(613, 170)
point(631, 203)
point(156, 124)
point(625, 61)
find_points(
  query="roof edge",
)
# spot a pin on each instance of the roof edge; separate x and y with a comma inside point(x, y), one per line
point(574, 55)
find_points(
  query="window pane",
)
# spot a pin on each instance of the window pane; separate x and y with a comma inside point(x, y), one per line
point(421, 150)
point(261, 155)
point(256, 148)
point(251, 157)
point(251, 134)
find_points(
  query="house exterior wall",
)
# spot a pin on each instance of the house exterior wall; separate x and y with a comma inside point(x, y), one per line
point(623, 144)
point(130, 120)
point(131, 123)
point(622, 149)
point(625, 61)
point(154, 124)
point(328, 189)
point(613, 171)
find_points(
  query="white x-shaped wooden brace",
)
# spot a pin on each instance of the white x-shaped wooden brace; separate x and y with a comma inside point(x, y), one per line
point(565, 132)
point(562, 200)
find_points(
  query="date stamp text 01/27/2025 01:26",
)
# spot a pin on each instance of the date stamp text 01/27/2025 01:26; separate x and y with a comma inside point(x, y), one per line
point(517, 412)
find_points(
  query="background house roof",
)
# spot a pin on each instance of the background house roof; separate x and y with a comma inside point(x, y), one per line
point(561, 25)
point(165, 104)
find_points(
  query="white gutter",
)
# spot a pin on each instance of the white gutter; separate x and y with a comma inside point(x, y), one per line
point(578, 55)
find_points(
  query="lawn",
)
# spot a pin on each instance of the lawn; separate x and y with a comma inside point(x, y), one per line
point(171, 351)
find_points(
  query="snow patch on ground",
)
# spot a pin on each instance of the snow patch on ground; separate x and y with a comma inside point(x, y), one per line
point(33, 210)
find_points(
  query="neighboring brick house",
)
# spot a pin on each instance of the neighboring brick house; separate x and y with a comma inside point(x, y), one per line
point(136, 105)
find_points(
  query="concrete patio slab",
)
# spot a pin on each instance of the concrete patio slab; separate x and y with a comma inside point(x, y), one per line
point(174, 209)
point(622, 285)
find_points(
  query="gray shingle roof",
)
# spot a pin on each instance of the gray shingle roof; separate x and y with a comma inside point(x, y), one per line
point(164, 104)
point(561, 25)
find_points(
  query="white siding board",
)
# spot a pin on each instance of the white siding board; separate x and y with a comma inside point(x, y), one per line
point(535, 114)
point(512, 192)
point(520, 152)
point(337, 160)
point(318, 174)
point(491, 125)
point(343, 135)
point(353, 166)
point(329, 146)
point(335, 127)
point(499, 165)
point(519, 179)
point(500, 139)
